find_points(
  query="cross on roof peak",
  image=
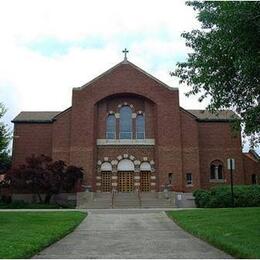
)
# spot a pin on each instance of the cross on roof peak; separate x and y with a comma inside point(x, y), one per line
point(125, 51)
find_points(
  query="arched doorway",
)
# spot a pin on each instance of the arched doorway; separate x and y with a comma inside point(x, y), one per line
point(106, 177)
point(145, 177)
point(125, 175)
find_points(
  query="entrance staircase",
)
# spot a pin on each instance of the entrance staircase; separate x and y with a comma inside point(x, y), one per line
point(121, 200)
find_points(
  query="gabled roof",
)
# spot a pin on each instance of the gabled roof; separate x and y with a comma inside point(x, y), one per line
point(222, 115)
point(49, 116)
point(253, 155)
point(35, 117)
point(124, 62)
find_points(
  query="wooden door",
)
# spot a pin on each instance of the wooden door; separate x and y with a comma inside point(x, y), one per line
point(106, 181)
point(145, 181)
point(125, 181)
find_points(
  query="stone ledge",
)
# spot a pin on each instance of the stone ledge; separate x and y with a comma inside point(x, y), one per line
point(126, 142)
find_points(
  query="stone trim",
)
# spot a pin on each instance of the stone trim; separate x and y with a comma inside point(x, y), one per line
point(125, 142)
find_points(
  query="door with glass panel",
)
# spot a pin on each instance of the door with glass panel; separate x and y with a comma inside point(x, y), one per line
point(145, 181)
point(125, 181)
point(106, 181)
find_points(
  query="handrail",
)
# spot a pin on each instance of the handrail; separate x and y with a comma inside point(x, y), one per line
point(139, 197)
point(113, 197)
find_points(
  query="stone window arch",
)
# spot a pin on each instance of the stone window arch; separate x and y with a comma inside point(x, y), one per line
point(125, 125)
point(170, 177)
point(106, 166)
point(216, 170)
point(145, 166)
point(111, 127)
point(140, 126)
point(125, 165)
point(106, 177)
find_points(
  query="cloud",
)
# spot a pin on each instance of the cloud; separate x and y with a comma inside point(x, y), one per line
point(48, 47)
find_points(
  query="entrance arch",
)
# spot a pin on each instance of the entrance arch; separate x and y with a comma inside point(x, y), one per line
point(125, 165)
point(145, 177)
point(125, 175)
point(106, 177)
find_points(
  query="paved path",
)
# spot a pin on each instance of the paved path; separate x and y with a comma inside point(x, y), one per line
point(130, 234)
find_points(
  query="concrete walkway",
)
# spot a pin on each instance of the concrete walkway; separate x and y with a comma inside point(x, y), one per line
point(130, 234)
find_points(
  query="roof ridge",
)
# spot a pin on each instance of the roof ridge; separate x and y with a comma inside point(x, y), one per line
point(151, 76)
point(124, 62)
point(210, 111)
point(39, 111)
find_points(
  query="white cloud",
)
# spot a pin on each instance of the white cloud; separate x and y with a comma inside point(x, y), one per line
point(151, 29)
point(31, 80)
point(93, 33)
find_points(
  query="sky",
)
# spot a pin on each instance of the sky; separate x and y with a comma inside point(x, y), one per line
point(49, 47)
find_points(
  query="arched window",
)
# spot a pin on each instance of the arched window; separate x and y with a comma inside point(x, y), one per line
point(170, 177)
point(212, 171)
point(216, 170)
point(125, 165)
point(220, 171)
point(145, 166)
point(253, 178)
point(125, 123)
point(140, 127)
point(111, 127)
point(106, 166)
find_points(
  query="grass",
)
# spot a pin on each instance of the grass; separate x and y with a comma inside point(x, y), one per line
point(235, 231)
point(23, 234)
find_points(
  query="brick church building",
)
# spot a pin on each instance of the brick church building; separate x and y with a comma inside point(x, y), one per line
point(126, 129)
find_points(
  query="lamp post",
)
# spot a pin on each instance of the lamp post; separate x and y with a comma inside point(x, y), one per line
point(231, 167)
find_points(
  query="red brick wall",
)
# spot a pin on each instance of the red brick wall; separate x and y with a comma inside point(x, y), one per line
point(126, 80)
point(251, 166)
point(137, 151)
point(190, 150)
point(182, 144)
point(61, 137)
point(217, 142)
point(31, 139)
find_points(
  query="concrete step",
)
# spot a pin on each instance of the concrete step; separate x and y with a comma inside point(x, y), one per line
point(103, 195)
point(126, 204)
point(124, 200)
point(148, 195)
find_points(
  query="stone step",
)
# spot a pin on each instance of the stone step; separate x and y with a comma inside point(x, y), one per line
point(156, 205)
point(124, 200)
point(147, 195)
point(126, 203)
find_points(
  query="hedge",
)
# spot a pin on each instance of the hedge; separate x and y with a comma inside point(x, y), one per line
point(220, 196)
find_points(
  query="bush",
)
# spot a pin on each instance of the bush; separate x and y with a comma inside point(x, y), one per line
point(220, 196)
point(201, 197)
point(19, 204)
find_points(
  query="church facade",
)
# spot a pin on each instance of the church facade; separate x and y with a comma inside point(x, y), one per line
point(127, 131)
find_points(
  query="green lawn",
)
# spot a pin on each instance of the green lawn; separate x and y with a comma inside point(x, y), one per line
point(236, 231)
point(23, 234)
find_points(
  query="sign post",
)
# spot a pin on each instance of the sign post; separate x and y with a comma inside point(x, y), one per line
point(231, 167)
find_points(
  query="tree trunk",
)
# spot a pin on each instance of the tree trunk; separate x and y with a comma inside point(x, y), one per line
point(39, 197)
point(48, 198)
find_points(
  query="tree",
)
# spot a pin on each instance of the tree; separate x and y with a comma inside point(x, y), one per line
point(225, 60)
point(5, 136)
point(40, 175)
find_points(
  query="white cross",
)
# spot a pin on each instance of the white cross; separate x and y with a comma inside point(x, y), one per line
point(125, 51)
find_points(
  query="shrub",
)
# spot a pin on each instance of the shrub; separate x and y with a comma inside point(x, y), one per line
point(19, 204)
point(201, 197)
point(220, 196)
